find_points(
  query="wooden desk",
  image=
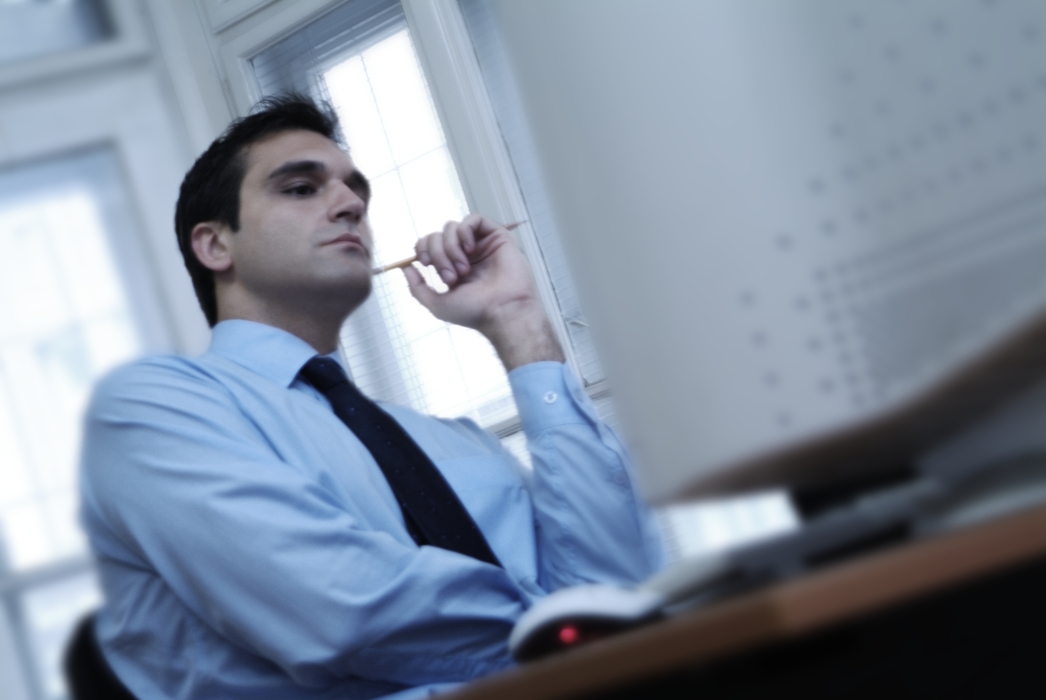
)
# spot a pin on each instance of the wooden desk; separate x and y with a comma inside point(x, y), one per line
point(882, 587)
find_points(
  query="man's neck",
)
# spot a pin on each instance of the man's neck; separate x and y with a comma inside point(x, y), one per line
point(315, 318)
point(323, 337)
point(318, 330)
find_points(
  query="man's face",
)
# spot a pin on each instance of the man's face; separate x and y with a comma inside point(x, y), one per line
point(304, 235)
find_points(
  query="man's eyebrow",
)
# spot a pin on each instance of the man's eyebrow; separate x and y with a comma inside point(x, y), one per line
point(359, 184)
point(356, 181)
point(298, 167)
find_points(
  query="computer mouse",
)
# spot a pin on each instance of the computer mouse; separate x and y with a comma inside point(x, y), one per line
point(574, 616)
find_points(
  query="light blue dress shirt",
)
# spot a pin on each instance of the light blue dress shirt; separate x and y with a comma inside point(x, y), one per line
point(250, 547)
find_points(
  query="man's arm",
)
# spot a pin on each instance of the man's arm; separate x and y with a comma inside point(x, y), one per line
point(491, 290)
point(177, 481)
point(590, 525)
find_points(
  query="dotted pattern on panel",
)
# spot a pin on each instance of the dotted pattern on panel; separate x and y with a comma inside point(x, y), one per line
point(897, 310)
point(932, 233)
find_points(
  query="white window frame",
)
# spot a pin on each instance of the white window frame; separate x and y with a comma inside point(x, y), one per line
point(225, 13)
point(130, 42)
point(473, 136)
point(125, 110)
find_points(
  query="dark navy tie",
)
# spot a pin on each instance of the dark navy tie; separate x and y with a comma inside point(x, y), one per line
point(432, 510)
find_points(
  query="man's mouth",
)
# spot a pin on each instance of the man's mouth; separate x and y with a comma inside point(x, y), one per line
point(350, 238)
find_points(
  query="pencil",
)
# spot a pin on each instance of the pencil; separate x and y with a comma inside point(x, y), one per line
point(414, 258)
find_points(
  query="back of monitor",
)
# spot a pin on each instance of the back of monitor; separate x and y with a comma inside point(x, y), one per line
point(811, 235)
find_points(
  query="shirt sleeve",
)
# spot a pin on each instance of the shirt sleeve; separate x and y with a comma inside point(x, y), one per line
point(176, 480)
point(591, 526)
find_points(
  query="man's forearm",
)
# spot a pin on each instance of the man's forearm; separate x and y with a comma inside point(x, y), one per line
point(592, 526)
point(521, 334)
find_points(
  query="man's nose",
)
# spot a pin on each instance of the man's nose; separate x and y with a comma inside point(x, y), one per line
point(346, 204)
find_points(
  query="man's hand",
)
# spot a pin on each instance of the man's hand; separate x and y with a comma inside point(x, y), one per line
point(490, 289)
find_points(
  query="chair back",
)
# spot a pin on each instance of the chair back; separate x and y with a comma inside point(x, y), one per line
point(87, 673)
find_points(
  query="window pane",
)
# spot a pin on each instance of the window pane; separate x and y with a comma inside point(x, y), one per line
point(693, 529)
point(33, 28)
point(399, 90)
point(64, 321)
point(50, 613)
point(13, 682)
point(396, 139)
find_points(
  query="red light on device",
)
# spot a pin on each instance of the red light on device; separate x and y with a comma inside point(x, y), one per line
point(568, 634)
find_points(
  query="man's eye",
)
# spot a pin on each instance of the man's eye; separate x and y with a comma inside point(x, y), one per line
point(301, 189)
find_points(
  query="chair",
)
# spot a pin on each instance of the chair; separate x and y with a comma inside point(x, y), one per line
point(86, 671)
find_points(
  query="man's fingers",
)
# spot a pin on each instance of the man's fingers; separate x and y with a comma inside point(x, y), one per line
point(439, 259)
point(452, 247)
point(466, 236)
point(422, 250)
point(455, 250)
point(480, 225)
point(420, 289)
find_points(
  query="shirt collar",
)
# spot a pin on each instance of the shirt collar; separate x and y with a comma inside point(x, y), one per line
point(266, 350)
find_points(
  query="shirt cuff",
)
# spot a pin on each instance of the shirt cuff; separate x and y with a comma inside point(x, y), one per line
point(547, 395)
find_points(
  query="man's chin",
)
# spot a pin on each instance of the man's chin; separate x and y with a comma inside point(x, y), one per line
point(354, 291)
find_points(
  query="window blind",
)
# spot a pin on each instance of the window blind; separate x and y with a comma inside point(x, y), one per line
point(296, 62)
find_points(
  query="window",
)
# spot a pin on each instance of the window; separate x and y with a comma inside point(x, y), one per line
point(387, 115)
point(49, 611)
point(65, 319)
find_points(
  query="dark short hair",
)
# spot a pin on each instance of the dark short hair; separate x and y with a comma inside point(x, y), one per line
point(211, 188)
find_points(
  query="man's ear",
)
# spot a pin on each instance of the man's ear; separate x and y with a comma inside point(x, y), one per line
point(210, 242)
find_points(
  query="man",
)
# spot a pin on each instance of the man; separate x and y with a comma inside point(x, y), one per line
point(251, 544)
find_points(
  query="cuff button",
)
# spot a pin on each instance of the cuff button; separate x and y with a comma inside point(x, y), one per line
point(551, 396)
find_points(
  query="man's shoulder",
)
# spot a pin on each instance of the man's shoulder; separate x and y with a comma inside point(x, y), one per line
point(154, 376)
point(155, 367)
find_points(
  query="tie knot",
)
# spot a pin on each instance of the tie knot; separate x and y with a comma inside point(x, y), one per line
point(323, 373)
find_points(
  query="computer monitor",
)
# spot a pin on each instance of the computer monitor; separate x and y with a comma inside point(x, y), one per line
point(811, 235)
